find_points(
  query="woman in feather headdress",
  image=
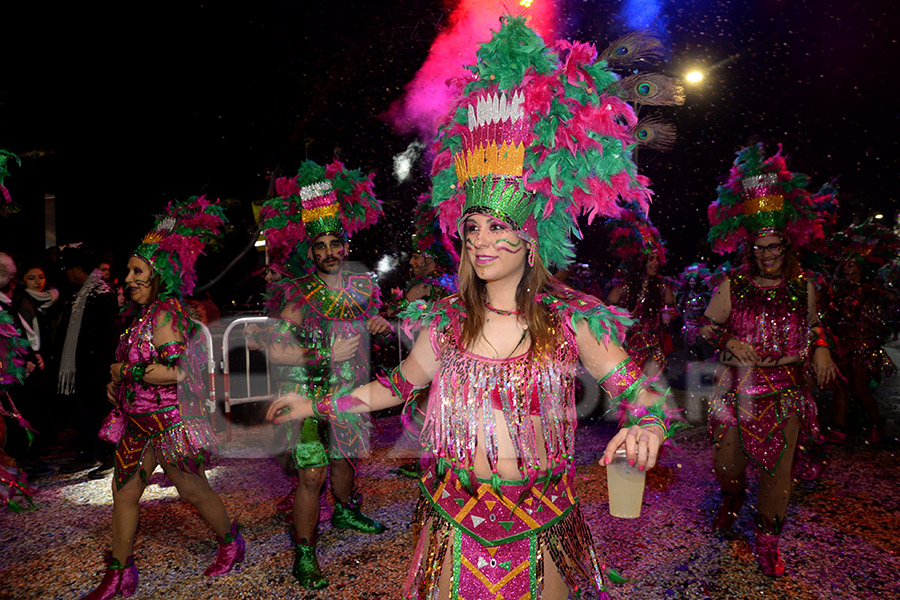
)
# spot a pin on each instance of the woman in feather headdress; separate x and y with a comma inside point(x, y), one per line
point(157, 387)
point(763, 319)
point(641, 290)
point(530, 146)
point(857, 314)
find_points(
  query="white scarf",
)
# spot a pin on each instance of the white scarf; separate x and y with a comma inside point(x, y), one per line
point(44, 300)
point(67, 361)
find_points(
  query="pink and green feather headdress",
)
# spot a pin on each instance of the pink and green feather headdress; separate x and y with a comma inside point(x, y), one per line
point(871, 244)
point(181, 233)
point(633, 238)
point(534, 140)
point(763, 197)
point(317, 201)
point(429, 239)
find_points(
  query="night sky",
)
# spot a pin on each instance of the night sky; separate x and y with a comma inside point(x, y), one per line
point(138, 104)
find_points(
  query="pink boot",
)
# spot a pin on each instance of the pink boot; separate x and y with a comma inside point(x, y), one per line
point(767, 553)
point(231, 552)
point(118, 579)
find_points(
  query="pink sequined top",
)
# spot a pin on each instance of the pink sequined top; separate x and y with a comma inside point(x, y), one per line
point(136, 346)
point(774, 320)
point(526, 388)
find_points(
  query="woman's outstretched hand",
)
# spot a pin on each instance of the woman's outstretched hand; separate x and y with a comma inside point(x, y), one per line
point(289, 407)
point(641, 446)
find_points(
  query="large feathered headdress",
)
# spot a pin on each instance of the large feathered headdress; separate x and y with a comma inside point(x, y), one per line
point(696, 271)
point(181, 233)
point(872, 245)
point(317, 201)
point(6, 205)
point(762, 197)
point(428, 238)
point(534, 140)
point(633, 238)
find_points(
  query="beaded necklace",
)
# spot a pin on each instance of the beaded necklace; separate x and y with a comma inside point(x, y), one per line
point(500, 311)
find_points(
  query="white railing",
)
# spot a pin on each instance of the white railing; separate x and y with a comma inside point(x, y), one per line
point(228, 394)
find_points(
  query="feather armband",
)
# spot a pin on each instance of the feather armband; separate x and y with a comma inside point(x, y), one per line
point(399, 385)
point(133, 371)
point(655, 415)
point(171, 352)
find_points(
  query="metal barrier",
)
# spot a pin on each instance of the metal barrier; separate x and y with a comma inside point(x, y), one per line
point(229, 399)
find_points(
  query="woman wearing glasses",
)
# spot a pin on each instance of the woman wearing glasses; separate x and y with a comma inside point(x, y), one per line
point(764, 321)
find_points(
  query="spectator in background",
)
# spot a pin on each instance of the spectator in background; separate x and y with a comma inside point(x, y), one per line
point(36, 308)
point(86, 343)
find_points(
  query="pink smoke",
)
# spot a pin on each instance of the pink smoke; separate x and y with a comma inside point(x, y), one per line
point(429, 95)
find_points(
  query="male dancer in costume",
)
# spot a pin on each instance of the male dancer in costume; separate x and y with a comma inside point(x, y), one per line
point(320, 339)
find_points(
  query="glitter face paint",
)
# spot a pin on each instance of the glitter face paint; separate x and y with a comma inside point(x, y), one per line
point(493, 248)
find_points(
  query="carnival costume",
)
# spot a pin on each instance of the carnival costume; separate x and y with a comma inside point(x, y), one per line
point(6, 203)
point(171, 419)
point(321, 201)
point(760, 198)
point(533, 141)
point(692, 302)
point(430, 241)
point(858, 312)
point(633, 239)
point(14, 489)
point(858, 316)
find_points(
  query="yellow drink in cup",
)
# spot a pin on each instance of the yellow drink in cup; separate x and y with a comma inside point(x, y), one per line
point(626, 487)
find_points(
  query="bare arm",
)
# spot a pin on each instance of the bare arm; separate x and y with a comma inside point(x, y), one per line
point(418, 368)
point(822, 362)
point(615, 295)
point(719, 308)
point(641, 444)
point(718, 311)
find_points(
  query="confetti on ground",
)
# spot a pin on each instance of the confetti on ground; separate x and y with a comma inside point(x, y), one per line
point(841, 540)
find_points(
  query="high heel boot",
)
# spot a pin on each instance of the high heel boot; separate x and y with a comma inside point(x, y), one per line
point(767, 554)
point(119, 579)
point(231, 552)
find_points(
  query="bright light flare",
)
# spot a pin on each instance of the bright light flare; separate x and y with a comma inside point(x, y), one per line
point(879, 216)
point(693, 77)
point(386, 264)
point(525, 3)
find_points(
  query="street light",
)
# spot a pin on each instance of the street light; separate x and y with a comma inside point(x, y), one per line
point(693, 77)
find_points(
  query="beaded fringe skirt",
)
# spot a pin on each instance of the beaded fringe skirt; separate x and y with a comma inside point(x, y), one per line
point(498, 541)
point(185, 442)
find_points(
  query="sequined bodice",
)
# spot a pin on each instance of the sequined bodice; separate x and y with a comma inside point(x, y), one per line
point(525, 388)
point(773, 319)
point(325, 315)
point(136, 346)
